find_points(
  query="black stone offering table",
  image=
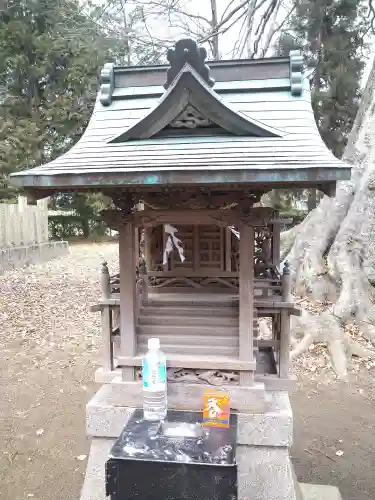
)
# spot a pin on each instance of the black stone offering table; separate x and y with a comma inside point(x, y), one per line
point(173, 460)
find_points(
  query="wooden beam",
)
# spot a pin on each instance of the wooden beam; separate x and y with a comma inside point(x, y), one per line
point(258, 216)
point(147, 247)
point(246, 300)
point(137, 234)
point(228, 250)
point(184, 217)
point(106, 320)
point(127, 294)
point(107, 345)
point(276, 244)
point(194, 362)
point(196, 259)
point(284, 344)
point(200, 273)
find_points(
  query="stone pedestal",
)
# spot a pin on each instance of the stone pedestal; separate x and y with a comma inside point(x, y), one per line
point(264, 437)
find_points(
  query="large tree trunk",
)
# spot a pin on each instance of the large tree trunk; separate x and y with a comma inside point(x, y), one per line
point(332, 252)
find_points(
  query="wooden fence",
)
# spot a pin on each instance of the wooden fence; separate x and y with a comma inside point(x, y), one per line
point(22, 224)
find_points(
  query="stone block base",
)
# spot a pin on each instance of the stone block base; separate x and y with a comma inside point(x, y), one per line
point(319, 492)
point(103, 376)
point(94, 483)
point(15, 257)
point(264, 437)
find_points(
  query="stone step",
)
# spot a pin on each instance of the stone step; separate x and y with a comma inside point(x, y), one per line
point(192, 320)
point(212, 331)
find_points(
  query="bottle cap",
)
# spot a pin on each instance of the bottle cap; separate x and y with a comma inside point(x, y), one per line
point(153, 343)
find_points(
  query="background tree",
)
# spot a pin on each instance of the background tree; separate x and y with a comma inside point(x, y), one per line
point(50, 54)
point(331, 34)
point(245, 28)
point(332, 252)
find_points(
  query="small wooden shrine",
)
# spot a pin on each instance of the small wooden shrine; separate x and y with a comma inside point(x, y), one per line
point(185, 152)
point(193, 147)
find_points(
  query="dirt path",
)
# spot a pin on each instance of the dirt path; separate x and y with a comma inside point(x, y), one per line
point(49, 344)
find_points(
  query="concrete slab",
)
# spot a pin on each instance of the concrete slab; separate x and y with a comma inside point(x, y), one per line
point(106, 376)
point(319, 492)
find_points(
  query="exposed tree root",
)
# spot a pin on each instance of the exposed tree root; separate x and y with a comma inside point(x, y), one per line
point(332, 252)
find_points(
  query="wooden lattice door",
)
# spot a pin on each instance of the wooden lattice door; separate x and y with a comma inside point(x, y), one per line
point(203, 248)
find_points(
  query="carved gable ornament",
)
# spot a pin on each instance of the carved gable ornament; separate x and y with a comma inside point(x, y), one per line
point(186, 51)
point(190, 103)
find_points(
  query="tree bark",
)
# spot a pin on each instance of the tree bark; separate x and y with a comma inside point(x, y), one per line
point(332, 252)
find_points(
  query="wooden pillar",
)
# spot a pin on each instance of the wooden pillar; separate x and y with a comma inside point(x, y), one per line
point(228, 249)
point(246, 300)
point(147, 236)
point(276, 245)
point(166, 267)
point(196, 248)
point(284, 344)
point(286, 290)
point(127, 295)
point(286, 284)
point(106, 320)
point(136, 245)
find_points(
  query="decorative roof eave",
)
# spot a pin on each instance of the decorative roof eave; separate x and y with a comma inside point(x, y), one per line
point(188, 88)
point(321, 178)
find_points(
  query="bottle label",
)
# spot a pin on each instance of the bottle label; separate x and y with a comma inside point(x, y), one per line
point(154, 376)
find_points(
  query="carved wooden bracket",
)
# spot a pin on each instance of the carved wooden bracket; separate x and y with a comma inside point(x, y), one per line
point(200, 198)
point(259, 216)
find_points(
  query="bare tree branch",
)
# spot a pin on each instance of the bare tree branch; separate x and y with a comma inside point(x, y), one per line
point(372, 14)
point(215, 38)
point(263, 23)
point(176, 10)
point(226, 9)
point(275, 30)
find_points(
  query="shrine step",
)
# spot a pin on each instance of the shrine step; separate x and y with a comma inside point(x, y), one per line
point(200, 310)
point(200, 350)
point(212, 331)
point(191, 340)
point(192, 319)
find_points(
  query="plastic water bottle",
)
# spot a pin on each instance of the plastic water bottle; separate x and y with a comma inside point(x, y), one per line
point(154, 376)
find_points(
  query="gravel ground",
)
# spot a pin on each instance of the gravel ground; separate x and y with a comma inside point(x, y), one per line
point(49, 345)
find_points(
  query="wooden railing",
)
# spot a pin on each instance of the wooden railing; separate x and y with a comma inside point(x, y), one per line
point(279, 310)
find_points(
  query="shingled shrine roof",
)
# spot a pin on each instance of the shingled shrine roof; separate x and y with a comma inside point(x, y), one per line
point(232, 122)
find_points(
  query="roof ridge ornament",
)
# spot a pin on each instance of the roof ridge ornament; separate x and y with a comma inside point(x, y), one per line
point(186, 51)
point(107, 84)
point(296, 77)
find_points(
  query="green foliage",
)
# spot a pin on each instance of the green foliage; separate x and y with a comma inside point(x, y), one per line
point(50, 55)
point(83, 217)
point(63, 227)
point(331, 35)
